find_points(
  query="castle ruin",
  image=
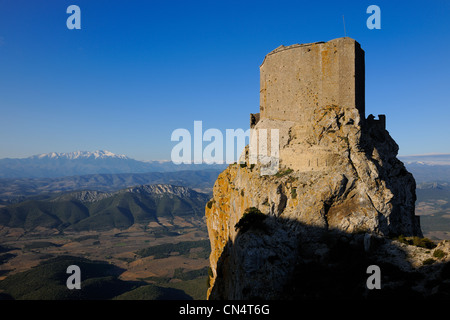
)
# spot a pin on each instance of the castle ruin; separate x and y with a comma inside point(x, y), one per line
point(297, 81)
point(338, 176)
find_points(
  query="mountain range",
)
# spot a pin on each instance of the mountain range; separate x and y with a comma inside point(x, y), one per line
point(99, 154)
point(14, 190)
point(50, 165)
point(97, 210)
point(425, 168)
point(427, 159)
point(428, 167)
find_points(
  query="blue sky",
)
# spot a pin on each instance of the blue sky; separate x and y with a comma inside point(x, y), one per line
point(137, 70)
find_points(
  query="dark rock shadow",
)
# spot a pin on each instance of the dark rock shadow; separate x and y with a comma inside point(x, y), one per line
point(375, 137)
point(287, 260)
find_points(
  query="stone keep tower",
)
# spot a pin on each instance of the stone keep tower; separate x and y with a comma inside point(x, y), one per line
point(298, 85)
point(297, 79)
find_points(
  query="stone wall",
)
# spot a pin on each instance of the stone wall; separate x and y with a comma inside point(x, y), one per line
point(298, 79)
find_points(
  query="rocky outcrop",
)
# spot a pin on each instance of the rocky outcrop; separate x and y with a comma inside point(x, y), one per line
point(366, 191)
point(361, 187)
point(339, 185)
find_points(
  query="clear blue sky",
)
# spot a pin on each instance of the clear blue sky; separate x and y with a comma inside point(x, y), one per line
point(137, 70)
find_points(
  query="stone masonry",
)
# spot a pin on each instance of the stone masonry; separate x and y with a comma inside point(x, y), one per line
point(298, 80)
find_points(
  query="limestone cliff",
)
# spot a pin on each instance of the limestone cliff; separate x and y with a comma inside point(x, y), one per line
point(339, 182)
point(367, 191)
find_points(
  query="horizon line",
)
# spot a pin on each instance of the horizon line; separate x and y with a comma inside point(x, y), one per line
point(169, 160)
point(425, 154)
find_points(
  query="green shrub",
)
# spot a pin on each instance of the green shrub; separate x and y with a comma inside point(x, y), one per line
point(283, 172)
point(417, 241)
point(210, 203)
point(438, 253)
point(423, 243)
point(428, 261)
point(294, 193)
point(401, 238)
point(252, 218)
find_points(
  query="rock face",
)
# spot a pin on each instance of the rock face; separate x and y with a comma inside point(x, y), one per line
point(338, 176)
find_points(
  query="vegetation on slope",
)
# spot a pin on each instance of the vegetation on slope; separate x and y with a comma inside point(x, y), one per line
point(118, 210)
point(99, 281)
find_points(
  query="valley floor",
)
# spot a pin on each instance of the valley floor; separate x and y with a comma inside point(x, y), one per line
point(21, 251)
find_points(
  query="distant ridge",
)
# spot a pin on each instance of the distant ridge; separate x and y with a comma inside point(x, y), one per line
point(54, 164)
point(427, 159)
point(14, 190)
point(96, 210)
point(156, 190)
point(102, 154)
point(433, 167)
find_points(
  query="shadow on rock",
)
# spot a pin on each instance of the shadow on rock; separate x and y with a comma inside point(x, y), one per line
point(281, 259)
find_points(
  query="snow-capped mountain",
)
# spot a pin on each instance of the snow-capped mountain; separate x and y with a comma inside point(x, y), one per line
point(442, 159)
point(98, 154)
point(54, 164)
point(428, 167)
